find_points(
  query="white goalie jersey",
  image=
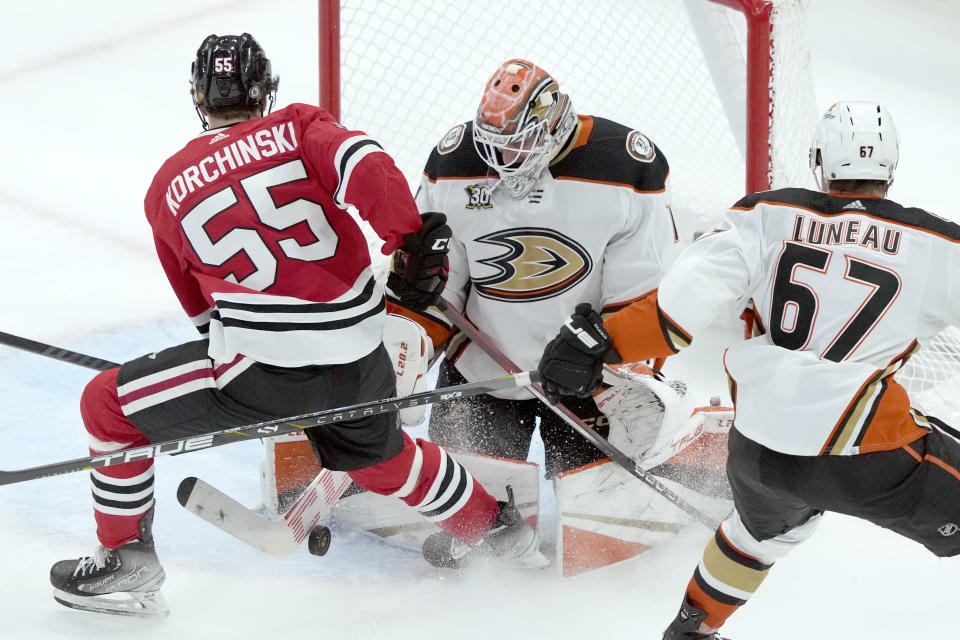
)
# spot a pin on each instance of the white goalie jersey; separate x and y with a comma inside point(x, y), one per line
point(844, 290)
point(597, 228)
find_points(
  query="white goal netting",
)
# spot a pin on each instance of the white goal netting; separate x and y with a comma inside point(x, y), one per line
point(675, 69)
point(932, 377)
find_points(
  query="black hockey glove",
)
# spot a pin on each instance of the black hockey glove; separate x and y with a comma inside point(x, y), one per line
point(572, 364)
point(420, 267)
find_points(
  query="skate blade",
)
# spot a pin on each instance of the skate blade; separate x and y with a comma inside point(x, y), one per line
point(149, 604)
point(445, 553)
point(536, 561)
point(525, 555)
point(531, 559)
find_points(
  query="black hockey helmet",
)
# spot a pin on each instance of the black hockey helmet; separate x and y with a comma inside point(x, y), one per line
point(231, 71)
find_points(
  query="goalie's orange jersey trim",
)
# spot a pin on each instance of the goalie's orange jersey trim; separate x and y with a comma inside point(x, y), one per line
point(437, 332)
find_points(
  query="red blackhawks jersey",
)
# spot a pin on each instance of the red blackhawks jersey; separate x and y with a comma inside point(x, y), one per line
point(844, 288)
point(597, 228)
point(252, 227)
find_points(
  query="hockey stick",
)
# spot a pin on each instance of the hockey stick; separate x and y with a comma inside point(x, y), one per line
point(276, 427)
point(622, 459)
point(56, 353)
point(276, 537)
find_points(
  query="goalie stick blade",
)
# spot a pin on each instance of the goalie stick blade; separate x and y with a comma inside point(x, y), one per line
point(278, 538)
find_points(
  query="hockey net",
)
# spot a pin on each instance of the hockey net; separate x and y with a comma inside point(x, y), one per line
point(724, 88)
point(932, 377)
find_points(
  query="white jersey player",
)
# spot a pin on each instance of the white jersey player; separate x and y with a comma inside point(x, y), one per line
point(548, 209)
point(845, 286)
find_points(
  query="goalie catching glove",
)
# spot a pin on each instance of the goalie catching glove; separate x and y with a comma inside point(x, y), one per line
point(420, 266)
point(647, 412)
point(572, 363)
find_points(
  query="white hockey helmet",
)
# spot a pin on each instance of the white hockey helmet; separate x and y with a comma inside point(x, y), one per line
point(855, 141)
point(522, 122)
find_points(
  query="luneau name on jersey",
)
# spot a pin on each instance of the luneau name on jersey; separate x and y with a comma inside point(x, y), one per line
point(812, 231)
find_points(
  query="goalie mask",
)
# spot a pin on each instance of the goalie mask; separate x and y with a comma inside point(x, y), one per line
point(855, 141)
point(522, 123)
point(231, 71)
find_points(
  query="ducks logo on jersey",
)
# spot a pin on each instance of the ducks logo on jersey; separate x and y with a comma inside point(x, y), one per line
point(538, 264)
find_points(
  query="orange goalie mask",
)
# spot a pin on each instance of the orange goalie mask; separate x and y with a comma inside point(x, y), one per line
point(522, 122)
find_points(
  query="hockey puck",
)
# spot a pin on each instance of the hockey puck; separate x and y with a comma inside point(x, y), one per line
point(318, 542)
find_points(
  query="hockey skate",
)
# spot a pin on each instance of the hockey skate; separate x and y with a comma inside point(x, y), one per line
point(511, 543)
point(685, 625)
point(124, 581)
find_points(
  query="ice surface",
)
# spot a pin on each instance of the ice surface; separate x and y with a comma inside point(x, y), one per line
point(96, 97)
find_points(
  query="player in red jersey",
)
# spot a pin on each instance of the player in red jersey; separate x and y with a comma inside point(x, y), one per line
point(251, 226)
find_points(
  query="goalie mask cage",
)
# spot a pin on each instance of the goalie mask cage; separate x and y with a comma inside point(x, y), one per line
point(723, 87)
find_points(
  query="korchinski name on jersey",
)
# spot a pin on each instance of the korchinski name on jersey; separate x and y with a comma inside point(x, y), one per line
point(265, 143)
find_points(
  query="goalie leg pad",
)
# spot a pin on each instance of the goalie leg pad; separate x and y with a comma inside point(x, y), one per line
point(606, 515)
point(289, 465)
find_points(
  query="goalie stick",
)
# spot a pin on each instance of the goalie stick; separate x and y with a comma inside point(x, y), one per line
point(50, 351)
point(276, 427)
point(276, 537)
point(622, 459)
